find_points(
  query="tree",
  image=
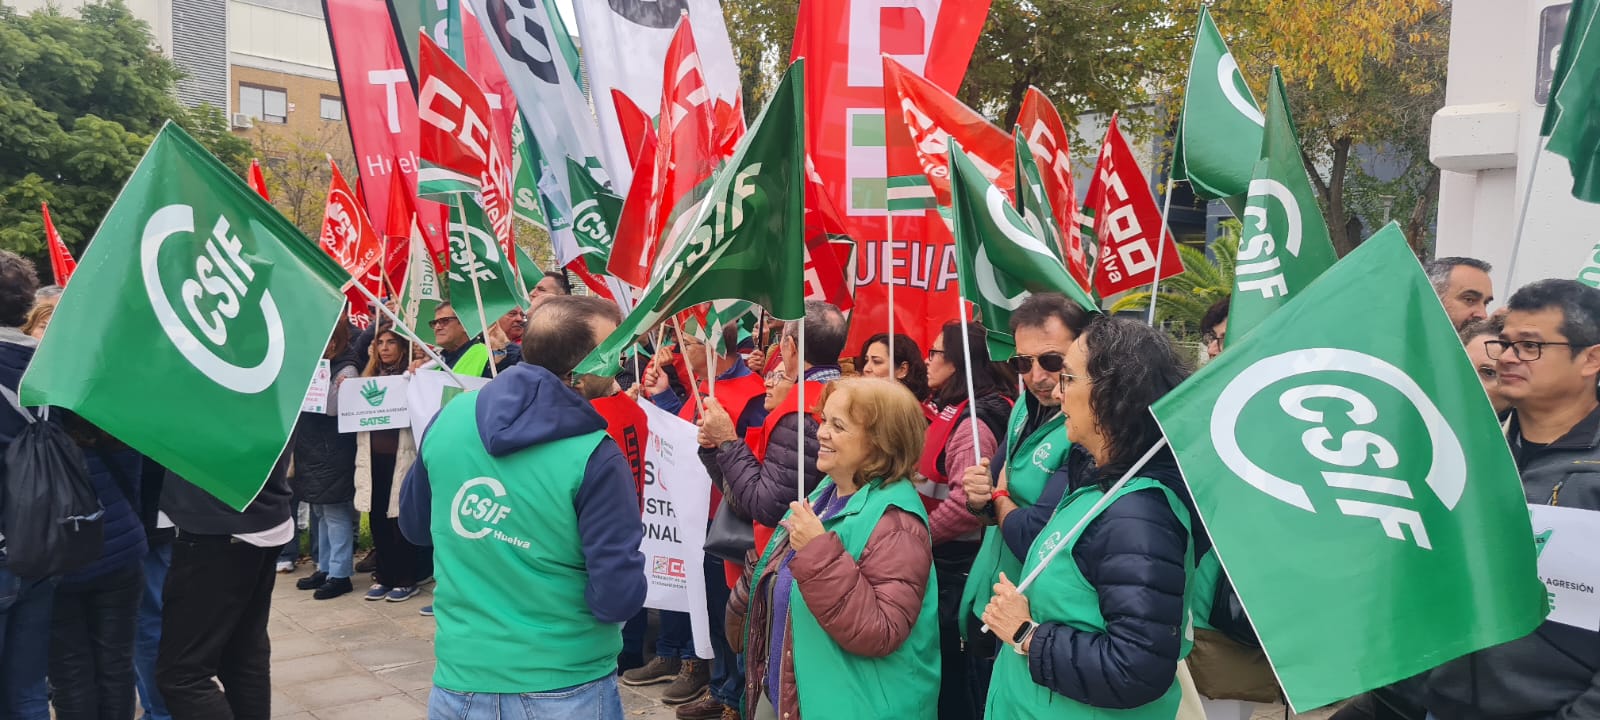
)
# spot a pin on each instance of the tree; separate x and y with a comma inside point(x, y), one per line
point(81, 98)
point(296, 169)
point(1183, 299)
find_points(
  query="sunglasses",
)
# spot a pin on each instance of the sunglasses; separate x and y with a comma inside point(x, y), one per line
point(1051, 362)
point(437, 323)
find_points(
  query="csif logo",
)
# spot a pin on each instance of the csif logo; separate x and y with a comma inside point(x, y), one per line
point(210, 301)
point(1367, 474)
point(479, 500)
point(995, 205)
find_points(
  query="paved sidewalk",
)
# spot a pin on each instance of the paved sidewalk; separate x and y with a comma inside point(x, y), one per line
point(349, 659)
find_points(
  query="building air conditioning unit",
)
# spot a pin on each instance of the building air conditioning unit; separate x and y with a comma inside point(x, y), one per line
point(242, 121)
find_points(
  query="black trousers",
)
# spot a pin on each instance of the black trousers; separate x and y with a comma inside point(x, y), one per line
point(91, 646)
point(400, 564)
point(214, 625)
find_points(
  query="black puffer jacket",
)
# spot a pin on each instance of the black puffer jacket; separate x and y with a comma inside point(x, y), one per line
point(762, 490)
point(324, 458)
point(1133, 554)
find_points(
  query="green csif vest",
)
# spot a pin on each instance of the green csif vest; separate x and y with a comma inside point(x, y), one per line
point(1062, 594)
point(833, 683)
point(512, 617)
point(1030, 462)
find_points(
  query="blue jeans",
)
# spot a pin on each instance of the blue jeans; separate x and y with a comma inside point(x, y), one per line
point(596, 700)
point(727, 669)
point(336, 538)
point(675, 636)
point(25, 609)
point(148, 641)
point(291, 549)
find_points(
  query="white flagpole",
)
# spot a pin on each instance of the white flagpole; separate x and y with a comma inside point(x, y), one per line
point(800, 433)
point(1105, 499)
point(477, 293)
point(1161, 250)
point(1522, 216)
point(972, 402)
point(711, 364)
point(888, 272)
point(411, 335)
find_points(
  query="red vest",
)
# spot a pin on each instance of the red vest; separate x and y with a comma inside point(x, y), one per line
point(627, 424)
point(944, 423)
point(735, 395)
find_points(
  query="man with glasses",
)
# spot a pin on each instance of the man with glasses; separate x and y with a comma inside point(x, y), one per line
point(1044, 327)
point(1214, 327)
point(1547, 361)
point(466, 356)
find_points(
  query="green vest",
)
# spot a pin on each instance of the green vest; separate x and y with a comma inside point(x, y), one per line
point(512, 617)
point(1030, 462)
point(1062, 594)
point(473, 362)
point(833, 683)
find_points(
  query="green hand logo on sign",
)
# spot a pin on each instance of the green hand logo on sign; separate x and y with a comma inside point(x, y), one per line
point(372, 393)
point(1349, 412)
point(210, 300)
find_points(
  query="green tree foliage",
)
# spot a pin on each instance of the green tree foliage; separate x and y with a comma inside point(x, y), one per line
point(1183, 299)
point(80, 100)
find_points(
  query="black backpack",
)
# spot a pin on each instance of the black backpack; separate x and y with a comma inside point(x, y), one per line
point(54, 523)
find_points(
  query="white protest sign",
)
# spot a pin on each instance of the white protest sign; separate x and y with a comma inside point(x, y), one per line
point(1566, 539)
point(677, 503)
point(376, 403)
point(428, 391)
point(317, 395)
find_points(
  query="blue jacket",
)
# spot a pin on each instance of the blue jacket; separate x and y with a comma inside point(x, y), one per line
point(124, 544)
point(526, 406)
point(1133, 554)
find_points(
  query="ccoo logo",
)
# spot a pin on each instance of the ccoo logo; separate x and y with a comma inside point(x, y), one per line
point(1362, 463)
point(218, 293)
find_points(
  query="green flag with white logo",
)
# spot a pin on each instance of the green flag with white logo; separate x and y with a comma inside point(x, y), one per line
point(531, 275)
point(1001, 259)
point(595, 212)
point(478, 269)
point(1569, 119)
point(193, 324)
point(1220, 132)
point(1356, 485)
point(747, 239)
point(525, 200)
point(1284, 243)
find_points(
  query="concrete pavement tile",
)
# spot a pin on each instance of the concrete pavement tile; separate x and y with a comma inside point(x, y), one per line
point(392, 707)
point(411, 677)
point(283, 706)
point(333, 692)
point(393, 653)
point(326, 617)
point(371, 631)
point(296, 646)
point(296, 716)
point(313, 667)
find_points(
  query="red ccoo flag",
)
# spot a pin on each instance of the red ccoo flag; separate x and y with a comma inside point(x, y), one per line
point(638, 130)
point(258, 182)
point(61, 262)
point(1127, 221)
point(347, 237)
point(1041, 127)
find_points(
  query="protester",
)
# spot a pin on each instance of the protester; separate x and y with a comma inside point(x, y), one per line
point(1104, 626)
point(909, 367)
point(159, 531)
point(952, 447)
point(839, 614)
point(324, 477)
point(25, 603)
point(465, 356)
point(553, 517)
point(383, 457)
point(1044, 327)
point(766, 353)
point(217, 599)
point(553, 283)
point(1475, 338)
point(95, 614)
point(1463, 285)
point(39, 317)
point(1214, 327)
point(1547, 361)
point(505, 339)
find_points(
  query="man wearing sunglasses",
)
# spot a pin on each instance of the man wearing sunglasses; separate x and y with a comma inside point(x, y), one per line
point(1035, 445)
point(466, 356)
point(1547, 361)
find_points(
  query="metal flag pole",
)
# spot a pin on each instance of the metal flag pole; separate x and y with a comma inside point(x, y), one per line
point(800, 433)
point(477, 293)
point(1161, 250)
point(888, 271)
point(972, 401)
point(411, 335)
point(1522, 216)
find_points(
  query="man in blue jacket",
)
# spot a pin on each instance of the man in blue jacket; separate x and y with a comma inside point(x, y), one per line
point(531, 510)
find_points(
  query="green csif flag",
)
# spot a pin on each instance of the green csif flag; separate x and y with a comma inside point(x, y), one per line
point(1572, 119)
point(222, 310)
point(476, 260)
point(1000, 258)
point(1356, 485)
point(747, 240)
point(525, 200)
point(1221, 128)
point(530, 273)
point(1283, 245)
point(595, 213)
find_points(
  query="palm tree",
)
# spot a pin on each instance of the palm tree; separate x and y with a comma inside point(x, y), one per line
point(1184, 299)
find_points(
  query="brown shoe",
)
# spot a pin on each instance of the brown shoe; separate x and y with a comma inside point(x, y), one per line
point(730, 712)
point(658, 670)
point(704, 707)
point(692, 679)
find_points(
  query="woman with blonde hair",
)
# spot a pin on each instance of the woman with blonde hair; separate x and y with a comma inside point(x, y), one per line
point(383, 457)
point(39, 317)
point(838, 615)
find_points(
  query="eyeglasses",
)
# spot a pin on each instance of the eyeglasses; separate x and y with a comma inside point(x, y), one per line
point(934, 353)
point(437, 323)
point(1051, 362)
point(1211, 337)
point(1068, 378)
point(1525, 350)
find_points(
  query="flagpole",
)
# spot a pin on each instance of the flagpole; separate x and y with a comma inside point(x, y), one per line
point(888, 269)
point(972, 401)
point(1161, 250)
point(472, 260)
point(694, 382)
point(711, 364)
point(411, 335)
point(800, 427)
point(1522, 217)
point(1105, 499)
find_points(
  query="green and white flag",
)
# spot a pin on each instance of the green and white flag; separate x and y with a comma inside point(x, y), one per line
point(423, 293)
point(525, 200)
point(595, 212)
point(1221, 128)
point(1000, 258)
point(1284, 242)
point(475, 255)
point(1569, 119)
point(747, 240)
point(908, 194)
point(1356, 485)
point(531, 274)
point(222, 311)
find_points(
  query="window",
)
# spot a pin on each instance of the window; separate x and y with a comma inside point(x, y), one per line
point(332, 108)
point(264, 103)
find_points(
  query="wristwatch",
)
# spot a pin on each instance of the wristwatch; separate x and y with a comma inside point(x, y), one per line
point(1024, 632)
